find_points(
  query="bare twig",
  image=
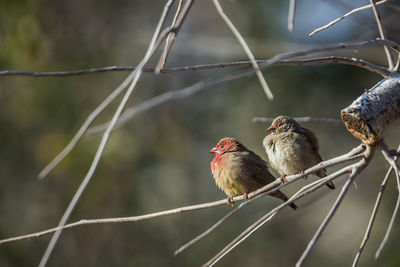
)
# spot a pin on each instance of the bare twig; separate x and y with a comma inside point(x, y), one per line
point(344, 16)
point(169, 41)
point(307, 119)
point(292, 12)
point(354, 172)
point(133, 77)
point(396, 68)
point(373, 214)
point(301, 119)
point(355, 153)
point(384, 72)
point(212, 228)
point(245, 48)
point(131, 112)
point(394, 165)
point(382, 33)
point(177, 24)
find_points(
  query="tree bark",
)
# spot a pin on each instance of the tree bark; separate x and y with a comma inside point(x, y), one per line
point(368, 116)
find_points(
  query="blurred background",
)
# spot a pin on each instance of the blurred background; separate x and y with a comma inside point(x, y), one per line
point(160, 159)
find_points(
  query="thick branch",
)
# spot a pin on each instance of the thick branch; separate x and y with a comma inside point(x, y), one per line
point(367, 117)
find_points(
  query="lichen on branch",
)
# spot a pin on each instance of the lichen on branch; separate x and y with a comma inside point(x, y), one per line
point(368, 116)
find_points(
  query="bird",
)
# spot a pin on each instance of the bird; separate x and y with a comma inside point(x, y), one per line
point(239, 171)
point(291, 149)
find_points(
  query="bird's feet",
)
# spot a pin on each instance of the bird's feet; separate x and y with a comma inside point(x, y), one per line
point(302, 172)
point(229, 201)
point(245, 196)
point(283, 178)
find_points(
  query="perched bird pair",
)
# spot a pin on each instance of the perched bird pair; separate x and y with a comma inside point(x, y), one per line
point(290, 149)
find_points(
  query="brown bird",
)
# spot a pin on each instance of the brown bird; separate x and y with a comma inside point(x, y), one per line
point(291, 149)
point(238, 171)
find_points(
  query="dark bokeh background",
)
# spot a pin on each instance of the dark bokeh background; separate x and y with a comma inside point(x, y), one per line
point(160, 159)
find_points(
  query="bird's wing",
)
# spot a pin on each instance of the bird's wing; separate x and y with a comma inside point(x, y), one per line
point(257, 168)
point(312, 139)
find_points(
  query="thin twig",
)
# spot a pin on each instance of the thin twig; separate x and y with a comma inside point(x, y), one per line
point(301, 62)
point(373, 214)
point(135, 75)
point(177, 24)
point(169, 41)
point(292, 11)
point(212, 228)
point(131, 112)
point(396, 68)
point(354, 154)
point(245, 47)
point(382, 33)
point(301, 119)
point(344, 16)
point(355, 171)
point(394, 165)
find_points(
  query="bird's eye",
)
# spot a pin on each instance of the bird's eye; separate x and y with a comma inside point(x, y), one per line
point(221, 146)
point(279, 124)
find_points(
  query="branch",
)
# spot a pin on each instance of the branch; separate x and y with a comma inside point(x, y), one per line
point(177, 22)
point(358, 167)
point(245, 48)
point(345, 16)
point(354, 154)
point(301, 119)
point(393, 164)
point(169, 41)
point(369, 115)
point(384, 72)
point(213, 227)
point(132, 79)
point(292, 11)
point(382, 34)
point(133, 111)
point(373, 214)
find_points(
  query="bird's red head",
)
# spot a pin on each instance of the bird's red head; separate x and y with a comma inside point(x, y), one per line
point(226, 144)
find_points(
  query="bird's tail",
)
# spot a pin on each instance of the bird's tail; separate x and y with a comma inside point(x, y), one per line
point(280, 195)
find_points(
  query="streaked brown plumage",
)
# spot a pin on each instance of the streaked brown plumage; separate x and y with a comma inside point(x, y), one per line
point(238, 171)
point(291, 148)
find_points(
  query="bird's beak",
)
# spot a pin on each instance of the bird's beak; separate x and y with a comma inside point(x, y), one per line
point(214, 150)
point(271, 129)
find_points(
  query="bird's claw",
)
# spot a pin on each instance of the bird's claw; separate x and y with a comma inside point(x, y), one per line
point(245, 196)
point(229, 201)
point(283, 179)
point(302, 172)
